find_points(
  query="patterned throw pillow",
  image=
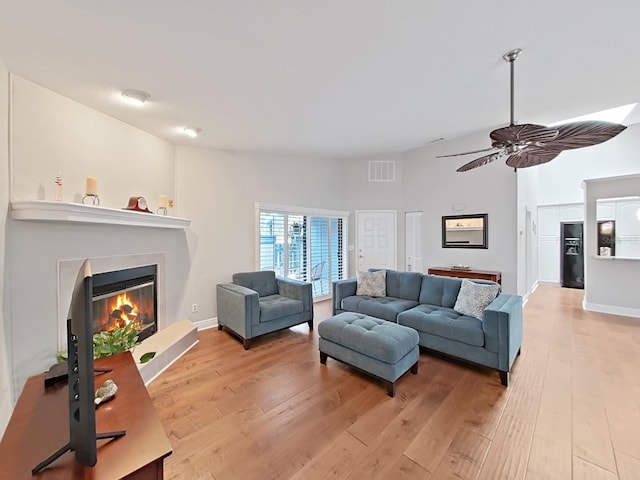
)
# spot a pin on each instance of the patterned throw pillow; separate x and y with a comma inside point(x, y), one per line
point(473, 298)
point(373, 284)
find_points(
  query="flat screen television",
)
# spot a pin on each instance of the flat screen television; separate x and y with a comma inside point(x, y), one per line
point(80, 370)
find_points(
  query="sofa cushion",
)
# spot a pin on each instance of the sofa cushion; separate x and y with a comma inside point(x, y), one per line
point(473, 298)
point(444, 322)
point(262, 282)
point(372, 284)
point(386, 308)
point(437, 290)
point(375, 338)
point(274, 307)
point(405, 285)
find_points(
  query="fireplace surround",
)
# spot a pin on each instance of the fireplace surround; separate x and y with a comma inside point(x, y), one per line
point(111, 274)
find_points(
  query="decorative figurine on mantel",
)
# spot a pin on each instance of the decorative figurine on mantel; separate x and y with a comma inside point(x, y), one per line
point(106, 392)
point(138, 204)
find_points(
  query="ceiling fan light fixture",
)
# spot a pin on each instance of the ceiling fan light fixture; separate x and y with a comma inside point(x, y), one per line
point(136, 97)
point(191, 131)
point(512, 55)
point(528, 145)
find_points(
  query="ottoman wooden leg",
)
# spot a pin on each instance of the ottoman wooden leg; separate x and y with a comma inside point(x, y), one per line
point(219, 326)
point(323, 358)
point(414, 368)
point(391, 389)
point(246, 343)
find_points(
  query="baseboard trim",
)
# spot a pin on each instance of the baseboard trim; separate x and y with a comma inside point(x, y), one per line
point(611, 309)
point(525, 297)
point(206, 323)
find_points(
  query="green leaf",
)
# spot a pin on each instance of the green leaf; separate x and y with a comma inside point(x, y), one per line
point(147, 356)
point(116, 341)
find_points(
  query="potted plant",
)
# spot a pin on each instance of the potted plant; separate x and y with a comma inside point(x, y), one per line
point(114, 341)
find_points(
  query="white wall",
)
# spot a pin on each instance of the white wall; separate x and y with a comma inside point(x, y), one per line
point(528, 180)
point(5, 376)
point(51, 132)
point(561, 179)
point(611, 283)
point(433, 186)
point(361, 194)
point(220, 189)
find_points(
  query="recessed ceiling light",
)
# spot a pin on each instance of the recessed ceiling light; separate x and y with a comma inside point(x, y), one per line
point(136, 97)
point(192, 131)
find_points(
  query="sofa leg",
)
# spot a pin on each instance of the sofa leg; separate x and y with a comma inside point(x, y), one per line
point(246, 343)
point(219, 326)
point(310, 322)
point(519, 351)
point(391, 389)
point(504, 378)
point(323, 358)
point(414, 368)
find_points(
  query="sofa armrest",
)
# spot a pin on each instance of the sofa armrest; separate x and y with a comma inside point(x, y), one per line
point(502, 326)
point(297, 290)
point(238, 308)
point(343, 289)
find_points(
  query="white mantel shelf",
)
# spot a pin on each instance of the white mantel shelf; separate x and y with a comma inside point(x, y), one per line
point(44, 211)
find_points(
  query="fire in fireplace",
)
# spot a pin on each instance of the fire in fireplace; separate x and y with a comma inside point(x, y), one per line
point(126, 297)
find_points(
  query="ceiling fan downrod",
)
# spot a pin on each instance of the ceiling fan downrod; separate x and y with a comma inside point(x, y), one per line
point(511, 58)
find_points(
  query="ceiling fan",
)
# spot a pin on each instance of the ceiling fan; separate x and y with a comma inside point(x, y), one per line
point(527, 144)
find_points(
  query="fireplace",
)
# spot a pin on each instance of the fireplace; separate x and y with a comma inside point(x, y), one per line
point(127, 296)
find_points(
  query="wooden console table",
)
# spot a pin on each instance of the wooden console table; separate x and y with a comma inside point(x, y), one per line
point(39, 427)
point(478, 274)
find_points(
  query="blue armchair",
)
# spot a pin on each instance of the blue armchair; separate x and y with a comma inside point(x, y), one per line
point(257, 303)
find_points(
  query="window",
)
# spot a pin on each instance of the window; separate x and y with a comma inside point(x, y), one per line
point(307, 245)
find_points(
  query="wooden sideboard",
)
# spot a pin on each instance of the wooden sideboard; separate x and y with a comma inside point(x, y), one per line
point(39, 427)
point(478, 274)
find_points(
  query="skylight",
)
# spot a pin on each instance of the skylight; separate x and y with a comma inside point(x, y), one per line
point(614, 115)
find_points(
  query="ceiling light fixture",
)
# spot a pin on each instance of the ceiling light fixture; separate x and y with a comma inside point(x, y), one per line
point(191, 131)
point(136, 97)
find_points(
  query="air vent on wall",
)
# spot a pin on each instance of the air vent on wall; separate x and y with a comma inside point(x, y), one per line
point(382, 171)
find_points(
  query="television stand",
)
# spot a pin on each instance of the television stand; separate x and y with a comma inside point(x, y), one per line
point(67, 448)
point(39, 425)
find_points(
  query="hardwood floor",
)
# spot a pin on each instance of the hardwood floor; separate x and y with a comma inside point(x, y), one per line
point(572, 409)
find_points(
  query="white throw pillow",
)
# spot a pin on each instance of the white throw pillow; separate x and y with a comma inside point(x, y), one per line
point(474, 297)
point(372, 284)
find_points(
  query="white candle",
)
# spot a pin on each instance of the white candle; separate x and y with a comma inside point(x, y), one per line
point(163, 201)
point(92, 186)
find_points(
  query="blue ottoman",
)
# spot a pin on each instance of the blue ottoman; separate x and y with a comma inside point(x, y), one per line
point(382, 349)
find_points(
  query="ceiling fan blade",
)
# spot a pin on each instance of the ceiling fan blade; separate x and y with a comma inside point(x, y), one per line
point(523, 134)
point(478, 162)
point(583, 134)
point(530, 157)
point(465, 153)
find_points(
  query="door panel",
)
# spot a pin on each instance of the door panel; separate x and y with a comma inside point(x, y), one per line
point(376, 239)
point(413, 241)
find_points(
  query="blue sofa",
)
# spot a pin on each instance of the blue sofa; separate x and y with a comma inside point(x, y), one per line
point(425, 303)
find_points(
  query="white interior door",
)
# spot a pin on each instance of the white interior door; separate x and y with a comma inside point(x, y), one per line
point(376, 239)
point(413, 241)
